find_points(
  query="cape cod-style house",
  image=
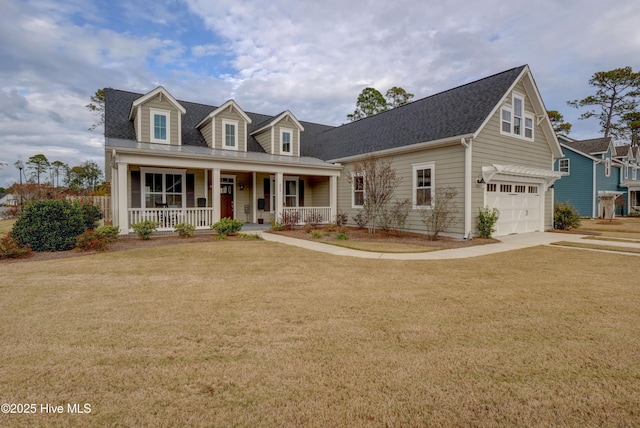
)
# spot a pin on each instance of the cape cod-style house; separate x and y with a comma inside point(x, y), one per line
point(173, 161)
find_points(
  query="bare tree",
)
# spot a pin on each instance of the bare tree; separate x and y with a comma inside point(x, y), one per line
point(378, 180)
point(442, 214)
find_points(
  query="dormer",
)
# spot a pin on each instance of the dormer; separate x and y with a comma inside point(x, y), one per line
point(280, 135)
point(225, 128)
point(157, 118)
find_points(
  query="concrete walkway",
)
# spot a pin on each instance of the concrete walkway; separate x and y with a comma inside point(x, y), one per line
point(507, 243)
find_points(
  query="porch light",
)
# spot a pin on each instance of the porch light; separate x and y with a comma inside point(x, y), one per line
point(480, 180)
point(241, 186)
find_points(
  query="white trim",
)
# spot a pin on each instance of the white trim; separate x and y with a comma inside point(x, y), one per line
point(226, 122)
point(149, 95)
point(414, 185)
point(164, 172)
point(277, 119)
point(233, 179)
point(282, 132)
point(284, 196)
point(607, 167)
point(223, 107)
point(139, 123)
point(354, 176)
point(167, 114)
point(568, 166)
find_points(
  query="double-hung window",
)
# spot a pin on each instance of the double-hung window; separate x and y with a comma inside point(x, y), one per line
point(423, 182)
point(291, 191)
point(230, 135)
point(514, 120)
point(357, 191)
point(286, 136)
point(563, 165)
point(160, 126)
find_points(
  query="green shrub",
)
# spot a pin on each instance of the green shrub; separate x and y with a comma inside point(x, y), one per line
point(227, 226)
point(185, 230)
point(342, 236)
point(308, 228)
point(10, 248)
point(91, 240)
point(110, 233)
point(487, 220)
point(277, 226)
point(316, 234)
point(54, 224)
point(565, 216)
point(145, 229)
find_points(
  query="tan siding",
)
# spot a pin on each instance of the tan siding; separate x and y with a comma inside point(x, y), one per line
point(449, 171)
point(206, 133)
point(492, 147)
point(243, 197)
point(234, 116)
point(288, 124)
point(321, 194)
point(264, 139)
point(155, 103)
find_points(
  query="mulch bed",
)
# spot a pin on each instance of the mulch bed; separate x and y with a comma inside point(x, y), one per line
point(126, 243)
point(408, 238)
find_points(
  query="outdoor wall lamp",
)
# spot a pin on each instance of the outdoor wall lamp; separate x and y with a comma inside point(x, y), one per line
point(241, 186)
point(480, 180)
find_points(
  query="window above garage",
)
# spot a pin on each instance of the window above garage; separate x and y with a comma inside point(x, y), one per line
point(515, 120)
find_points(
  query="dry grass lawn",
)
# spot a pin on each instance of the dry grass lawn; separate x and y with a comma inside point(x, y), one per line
point(261, 334)
point(597, 246)
point(618, 228)
point(5, 226)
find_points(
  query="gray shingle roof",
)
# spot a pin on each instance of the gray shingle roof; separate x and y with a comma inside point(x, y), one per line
point(455, 112)
point(117, 124)
point(592, 146)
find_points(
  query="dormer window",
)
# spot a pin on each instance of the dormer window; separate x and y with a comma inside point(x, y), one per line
point(160, 120)
point(230, 138)
point(285, 138)
point(514, 120)
point(607, 167)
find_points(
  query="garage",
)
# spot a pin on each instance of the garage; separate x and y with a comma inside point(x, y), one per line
point(519, 206)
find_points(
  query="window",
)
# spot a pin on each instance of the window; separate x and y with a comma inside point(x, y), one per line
point(160, 120)
point(514, 120)
point(521, 189)
point(163, 188)
point(491, 187)
point(230, 137)
point(563, 165)
point(607, 167)
point(422, 185)
point(357, 191)
point(505, 188)
point(291, 192)
point(533, 189)
point(634, 173)
point(285, 138)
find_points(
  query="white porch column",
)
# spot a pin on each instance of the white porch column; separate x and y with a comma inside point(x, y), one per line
point(279, 195)
point(123, 208)
point(254, 201)
point(333, 195)
point(215, 194)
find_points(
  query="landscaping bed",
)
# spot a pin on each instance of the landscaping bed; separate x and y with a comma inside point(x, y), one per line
point(381, 236)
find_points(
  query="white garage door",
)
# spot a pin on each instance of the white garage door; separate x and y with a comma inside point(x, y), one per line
point(518, 205)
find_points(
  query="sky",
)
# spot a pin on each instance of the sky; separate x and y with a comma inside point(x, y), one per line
point(310, 57)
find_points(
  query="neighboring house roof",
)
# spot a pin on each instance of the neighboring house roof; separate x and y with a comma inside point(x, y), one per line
point(593, 146)
point(456, 112)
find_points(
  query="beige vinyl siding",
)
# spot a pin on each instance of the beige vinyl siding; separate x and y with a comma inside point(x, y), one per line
point(243, 197)
point(200, 190)
point(318, 194)
point(206, 133)
point(286, 124)
point(449, 171)
point(492, 147)
point(264, 139)
point(219, 129)
point(155, 103)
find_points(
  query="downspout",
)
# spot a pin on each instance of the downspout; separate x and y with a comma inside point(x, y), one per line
point(467, 186)
point(595, 190)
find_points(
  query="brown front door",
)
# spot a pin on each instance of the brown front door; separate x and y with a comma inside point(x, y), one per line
point(226, 198)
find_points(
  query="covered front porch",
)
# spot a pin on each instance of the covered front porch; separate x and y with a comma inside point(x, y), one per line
point(172, 190)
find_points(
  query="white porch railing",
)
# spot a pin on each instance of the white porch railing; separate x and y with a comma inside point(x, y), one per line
point(319, 215)
point(201, 218)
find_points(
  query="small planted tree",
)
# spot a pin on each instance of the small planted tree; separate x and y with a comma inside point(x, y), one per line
point(565, 216)
point(487, 220)
point(443, 212)
point(378, 180)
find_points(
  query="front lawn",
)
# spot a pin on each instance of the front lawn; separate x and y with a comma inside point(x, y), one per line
point(626, 227)
point(231, 333)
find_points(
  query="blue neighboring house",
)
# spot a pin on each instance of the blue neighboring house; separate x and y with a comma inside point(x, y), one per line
point(598, 177)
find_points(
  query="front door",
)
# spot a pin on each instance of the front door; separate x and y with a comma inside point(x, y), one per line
point(227, 187)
